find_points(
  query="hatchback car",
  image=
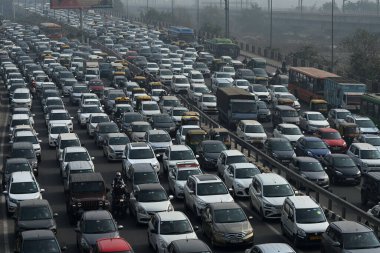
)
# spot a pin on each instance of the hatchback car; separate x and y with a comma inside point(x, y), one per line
point(365, 124)
point(311, 146)
point(288, 131)
point(332, 138)
point(25, 150)
point(13, 165)
point(37, 241)
point(175, 154)
point(311, 169)
point(341, 168)
point(238, 177)
point(139, 152)
point(103, 129)
point(270, 248)
point(280, 149)
point(310, 121)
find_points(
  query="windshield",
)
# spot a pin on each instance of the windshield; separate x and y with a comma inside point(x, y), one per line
point(99, 119)
point(151, 196)
point(91, 109)
point(83, 187)
point(254, 129)
point(23, 188)
point(181, 81)
point(179, 112)
point(280, 89)
point(118, 141)
point(159, 138)
point(373, 141)
point(246, 172)
point(141, 154)
point(223, 75)
point(145, 178)
point(32, 139)
point(141, 128)
point(229, 215)
point(150, 107)
point(171, 102)
point(162, 118)
point(175, 227)
point(59, 116)
point(331, 136)
point(236, 159)
point(111, 128)
point(244, 107)
point(281, 146)
point(343, 162)
point(310, 215)
point(35, 213)
point(69, 143)
point(369, 154)
point(77, 156)
point(81, 89)
point(166, 73)
point(289, 113)
point(21, 95)
point(40, 245)
point(214, 148)
point(357, 240)
point(14, 167)
point(365, 123)
point(342, 115)
point(183, 175)
point(315, 145)
point(206, 189)
point(209, 99)
point(23, 153)
point(59, 130)
point(259, 88)
point(273, 191)
point(202, 90)
point(128, 118)
point(182, 155)
point(99, 226)
point(316, 117)
point(311, 166)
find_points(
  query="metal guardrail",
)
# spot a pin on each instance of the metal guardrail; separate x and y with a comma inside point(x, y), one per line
point(361, 216)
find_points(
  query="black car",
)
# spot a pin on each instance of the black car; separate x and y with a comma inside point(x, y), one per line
point(370, 189)
point(188, 246)
point(102, 129)
point(14, 165)
point(140, 173)
point(246, 74)
point(34, 214)
point(128, 118)
point(280, 149)
point(208, 152)
point(341, 168)
point(163, 122)
point(38, 241)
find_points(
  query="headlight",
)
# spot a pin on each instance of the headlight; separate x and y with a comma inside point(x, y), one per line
point(170, 208)
point(358, 173)
point(268, 205)
point(309, 153)
point(338, 173)
point(141, 210)
point(301, 232)
point(218, 234)
point(13, 200)
point(84, 243)
point(239, 185)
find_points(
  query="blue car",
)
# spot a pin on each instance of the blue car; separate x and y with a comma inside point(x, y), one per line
point(312, 147)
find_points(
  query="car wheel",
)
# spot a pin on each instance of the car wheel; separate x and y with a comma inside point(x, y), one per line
point(364, 200)
point(233, 194)
point(295, 241)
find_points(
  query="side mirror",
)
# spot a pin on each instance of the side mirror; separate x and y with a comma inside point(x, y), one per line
point(171, 197)
point(335, 244)
point(158, 155)
point(119, 227)
point(196, 156)
point(42, 190)
point(39, 141)
point(230, 189)
point(55, 214)
point(92, 158)
point(196, 228)
point(5, 192)
point(250, 217)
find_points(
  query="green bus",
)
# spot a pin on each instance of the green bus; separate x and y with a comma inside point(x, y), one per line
point(370, 106)
point(222, 47)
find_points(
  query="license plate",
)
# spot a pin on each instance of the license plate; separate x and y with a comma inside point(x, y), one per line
point(236, 241)
point(315, 237)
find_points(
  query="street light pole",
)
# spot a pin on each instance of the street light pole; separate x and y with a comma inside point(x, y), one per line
point(198, 24)
point(271, 24)
point(172, 10)
point(227, 18)
point(332, 35)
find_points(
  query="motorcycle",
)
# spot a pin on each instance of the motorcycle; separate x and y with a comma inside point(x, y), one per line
point(119, 200)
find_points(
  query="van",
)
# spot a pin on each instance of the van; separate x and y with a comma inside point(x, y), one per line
point(303, 220)
point(285, 114)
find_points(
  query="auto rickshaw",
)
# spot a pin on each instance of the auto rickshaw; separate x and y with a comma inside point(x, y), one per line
point(137, 90)
point(141, 80)
point(119, 109)
point(220, 134)
point(139, 99)
point(194, 137)
point(191, 113)
point(319, 105)
point(190, 120)
point(285, 101)
point(122, 100)
point(154, 85)
point(217, 64)
point(348, 131)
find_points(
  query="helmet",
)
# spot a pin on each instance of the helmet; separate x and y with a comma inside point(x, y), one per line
point(118, 174)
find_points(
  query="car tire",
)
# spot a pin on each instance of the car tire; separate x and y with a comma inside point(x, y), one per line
point(363, 200)
point(295, 241)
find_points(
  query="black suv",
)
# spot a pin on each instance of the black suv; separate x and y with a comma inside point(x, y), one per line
point(370, 190)
point(86, 191)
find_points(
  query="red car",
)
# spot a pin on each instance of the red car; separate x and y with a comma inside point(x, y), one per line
point(333, 139)
point(112, 245)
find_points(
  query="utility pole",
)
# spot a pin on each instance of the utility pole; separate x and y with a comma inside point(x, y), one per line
point(172, 10)
point(271, 24)
point(198, 23)
point(147, 5)
point(127, 8)
point(377, 7)
point(227, 18)
point(332, 35)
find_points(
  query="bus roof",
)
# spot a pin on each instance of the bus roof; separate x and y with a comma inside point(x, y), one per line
point(181, 29)
point(313, 72)
point(373, 97)
point(344, 80)
point(221, 41)
point(50, 25)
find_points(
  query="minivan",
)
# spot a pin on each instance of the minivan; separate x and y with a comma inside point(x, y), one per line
point(285, 114)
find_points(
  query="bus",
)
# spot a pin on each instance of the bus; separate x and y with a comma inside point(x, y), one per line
point(51, 30)
point(180, 33)
point(222, 47)
point(370, 106)
point(308, 83)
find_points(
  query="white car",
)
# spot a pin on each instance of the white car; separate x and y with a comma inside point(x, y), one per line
point(178, 176)
point(152, 68)
point(165, 76)
point(196, 90)
point(220, 75)
point(261, 92)
point(54, 130)
point(60, 116)
point(228, 157)
point(238, 177)
point(65, 140)
point(204, 189)
point(288, 131)
point(196, 77)
point(175, 154)
point(147, 199)
point(139, 152)
point(207, 103)
point(72, 154)
point(84, 112)
point(242, 84)
point(22, 186)
point(94, 120)
point(21, 98)
point(267, 194)
point(28, 136)
point(251, 131)
point(180, 83)
point(310, 121)
point(165, 227)
point(229, 70)
point(149, 108)
point(177, 68)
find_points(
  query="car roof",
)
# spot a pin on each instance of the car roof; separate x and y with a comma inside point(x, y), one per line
point(359, 117)
point(340, 110)
point(179, 147)
point(287, 125)
point(113, 245)
point(243, 165)
point(22, 145)
point(271, 179)
point(147, 187)
point(79, 165)
point(86, 177)
point(141, 167)
point(328, 130)
point(250, 122)
point(115, 135)
point(20, 116)
point(38, 234)
point(284, 107)
point(16, 160)
point(156, 131)
point(301, 202)
point(25, 133)
point(140, 123)
point(97, 215)
point(33, 202)
point(364, 146)
point(275, 247)
point(306, 159)
point(138, 145)
point(346, 226)
point(232, 152)
point(312, 112)
point(191, 245)
point(201, 178)
point(170, 216)
point(75, 149)
point(224, 205)
point(68, 136)
point(22, 176)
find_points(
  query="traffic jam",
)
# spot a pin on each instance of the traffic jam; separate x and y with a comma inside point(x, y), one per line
point(160, 153)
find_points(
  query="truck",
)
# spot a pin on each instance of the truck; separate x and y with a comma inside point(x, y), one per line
point(257, 63)
point(343, 93)
point(235, 104)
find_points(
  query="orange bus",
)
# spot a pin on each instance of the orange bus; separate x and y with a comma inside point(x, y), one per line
point(51, 30)
point(308, 83)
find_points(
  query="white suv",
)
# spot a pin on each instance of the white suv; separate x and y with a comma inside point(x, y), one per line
point(228, 157)
point(267, 194)
point(365, 156)
point(22, 186)
point(139, 152)
point(175, 154)
point(180, 83)
point(201, 190)
point(251, 131)
point(303, 220)
point(196, 77)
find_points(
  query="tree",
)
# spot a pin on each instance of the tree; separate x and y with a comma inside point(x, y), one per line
point(306, 53)
point(326, 7)
point(364, 61)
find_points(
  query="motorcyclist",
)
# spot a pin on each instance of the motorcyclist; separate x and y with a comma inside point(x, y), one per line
point(118, 181)
point(118, 192)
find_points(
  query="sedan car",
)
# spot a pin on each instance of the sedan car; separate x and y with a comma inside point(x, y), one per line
point(238, 177)
point(310, 121)
point(208, 152)
point(37, 241)
point(332, 138)
point(94, 225)
point(311, 169)
point(311, 146)
point(280, 149)
point(114, 145)
point(341, 168)
point(103, 129)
